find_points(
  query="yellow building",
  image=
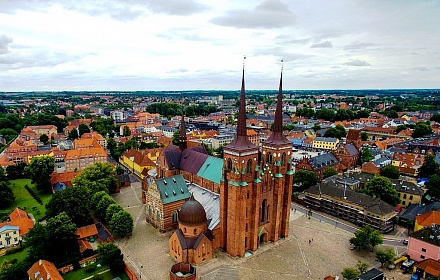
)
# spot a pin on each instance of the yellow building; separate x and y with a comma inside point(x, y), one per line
point(139, 162)
point(426, 220)
point(325, 143)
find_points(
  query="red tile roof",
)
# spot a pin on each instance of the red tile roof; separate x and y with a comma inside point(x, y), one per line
point(21, 219)
point(429, 218)
point(86, 231)
point(44, 270)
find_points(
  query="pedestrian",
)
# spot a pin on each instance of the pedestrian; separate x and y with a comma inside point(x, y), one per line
point(310, 241)
point(294, 211)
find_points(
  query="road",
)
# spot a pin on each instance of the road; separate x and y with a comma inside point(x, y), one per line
point(389, 240)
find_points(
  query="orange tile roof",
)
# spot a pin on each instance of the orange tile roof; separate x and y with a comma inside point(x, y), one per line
point(430, 266)
point(45, 270)
point(429, 218)
point(86, 231)
point(84, 245)
point(77, 154)
point(21, 219)
point(63, 177)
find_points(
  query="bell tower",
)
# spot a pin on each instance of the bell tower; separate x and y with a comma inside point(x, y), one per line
point(237, 192)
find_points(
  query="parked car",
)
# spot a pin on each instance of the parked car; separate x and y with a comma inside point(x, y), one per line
point(405, 241)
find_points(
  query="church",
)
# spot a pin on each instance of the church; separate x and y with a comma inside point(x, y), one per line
point(235, 204)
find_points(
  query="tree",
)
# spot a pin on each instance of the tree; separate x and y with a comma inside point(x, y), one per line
point(111, 255)
point(111, 210)
point(44, 138)
point(364, 136)
point(6, 194)
point(361, 266)
point(40, 169)
point(119, 169)
point(366, 237)
point(385, 257)
point(73, 134)
point(382, 188)
point(126, 131)
point(83, 128)
point(98, 177)
point(390, 171)
point(96, 197)
point(433, 185)
point(38, 242)
point(422, 129)
point(62, 236)
point(366, 155)
point(305, 179)
point(103, 204)
point(429, 167)
point(330, 172)
point(435, 118)
point(350, 273)
point(176, 137)
point(121, 224)
point(74, 201)
point(16, 171)
point(2, 174)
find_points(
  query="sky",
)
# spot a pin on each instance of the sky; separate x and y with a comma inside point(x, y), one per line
point(118, 45)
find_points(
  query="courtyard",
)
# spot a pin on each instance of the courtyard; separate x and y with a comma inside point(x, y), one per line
point(327, 253)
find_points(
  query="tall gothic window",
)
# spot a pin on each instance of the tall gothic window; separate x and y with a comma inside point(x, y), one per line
point(283, 159)
point(229, 167)
point(269, 158)
point(249, 166)
point(264, 211)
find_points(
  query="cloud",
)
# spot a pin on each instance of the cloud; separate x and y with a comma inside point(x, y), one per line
point(357, 62)
point(421, 68)
point(325, 44)
point(176, 7)
point(356, 45)
point(4, 43)
point(268, 14)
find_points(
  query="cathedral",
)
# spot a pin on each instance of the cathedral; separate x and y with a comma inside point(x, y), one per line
point(236, 203)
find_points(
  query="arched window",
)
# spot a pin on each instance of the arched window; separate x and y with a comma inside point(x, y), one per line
point(269, 158)
point(174, 217)
point(249, 166)
point(229, 167)
point(195, 231)
point(263, 211)
point(184, 230)
point(283, 159)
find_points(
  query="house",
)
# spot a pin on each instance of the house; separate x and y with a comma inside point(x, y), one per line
point(372, 274)
point(354, 137)
point(163, 198)
point(427, 219)
point(409, 193)
point(344, 203)
point(77, 160)
point(407, 163)
point(348, 156)
point(424, 244)
point(325, 143)
point(12, 231)
point(376, 165)
point(296, 138)
point(138, 162)
point(44, 270)
point(414, 210)
point(318, 164)
point(427, 268)
point(87, 235)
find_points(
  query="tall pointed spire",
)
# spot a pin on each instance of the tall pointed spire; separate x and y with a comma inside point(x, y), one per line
point(277, 133)
point(241, 141)
point(182, 135)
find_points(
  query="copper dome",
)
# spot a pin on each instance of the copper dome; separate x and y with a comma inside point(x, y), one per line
point(192, 212)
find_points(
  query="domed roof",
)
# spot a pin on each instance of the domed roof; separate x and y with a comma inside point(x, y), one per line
point(192, 212)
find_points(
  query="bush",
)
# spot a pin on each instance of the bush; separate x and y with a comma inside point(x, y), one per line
point(33, 194)
point(14, 250)
point(90, 268)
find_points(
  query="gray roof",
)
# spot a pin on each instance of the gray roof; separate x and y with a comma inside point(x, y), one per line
point(380, 162)
point(428, 234)
point(210, 202)
point(351, 149)
point(369, 203)
point(323, 160)
point(406, 187)
point(418, 209)
point(326, 139)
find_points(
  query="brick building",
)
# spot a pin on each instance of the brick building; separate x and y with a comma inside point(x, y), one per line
point(318, 164)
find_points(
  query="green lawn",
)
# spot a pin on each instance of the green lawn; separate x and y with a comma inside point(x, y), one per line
point(20, 256)
point(25, 201)
point(82, 273)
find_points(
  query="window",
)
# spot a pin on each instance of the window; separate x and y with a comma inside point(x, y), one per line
point(411, 197)
point(249, 166)
point(422, 257)
point(264, 211)
point(246, 227)
point(283, 159)
point(423, 249)
point(174, 217)
point(195, 231)
point(229, 164)
point(404, 195)
point(269, 158)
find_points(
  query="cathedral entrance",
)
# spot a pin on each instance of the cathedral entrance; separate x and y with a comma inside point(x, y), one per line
point(262, 239)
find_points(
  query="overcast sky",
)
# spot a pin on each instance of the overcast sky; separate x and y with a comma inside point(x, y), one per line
point(189, 44)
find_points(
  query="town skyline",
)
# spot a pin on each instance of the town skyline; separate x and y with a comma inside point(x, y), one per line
point(189, 45)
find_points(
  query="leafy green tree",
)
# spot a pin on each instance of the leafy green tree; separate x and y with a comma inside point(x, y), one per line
point(98, 177)
point(429, 167)
point(366, 155)
point(336, 132)
point(400, 128)
point(119, 169)
point(364, 136)
point(62, 236)
point(111, 255)
point(74, 201)
point(176, 137)
point(6, 194)
point(362, 114)
point(422, 129)
point(361, 266)
point(435, 118)
point(40, 169)
point(121, 224)
point(44, 138)
point(2, 174)
point(304, 179)
point(390, 171)
point(16, 171)
point(330, 172)
point(316, 127)
point(350, 273)
point(366, 237)
point(101, 207)
point(126, 131)
point(382, 188)
point(38, 242)
point(83, 128)
point(111, 210)
point(73, 134)
point(433, 185)
point(385, 257)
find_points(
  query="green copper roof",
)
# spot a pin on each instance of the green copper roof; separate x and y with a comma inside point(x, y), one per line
point(278, 175)
point(211, 169)
point(172, 189)
point(238, 184)
point(290, 172)
point(257, 180)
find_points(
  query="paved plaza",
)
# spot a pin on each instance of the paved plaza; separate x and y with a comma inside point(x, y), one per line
point(146, 251)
